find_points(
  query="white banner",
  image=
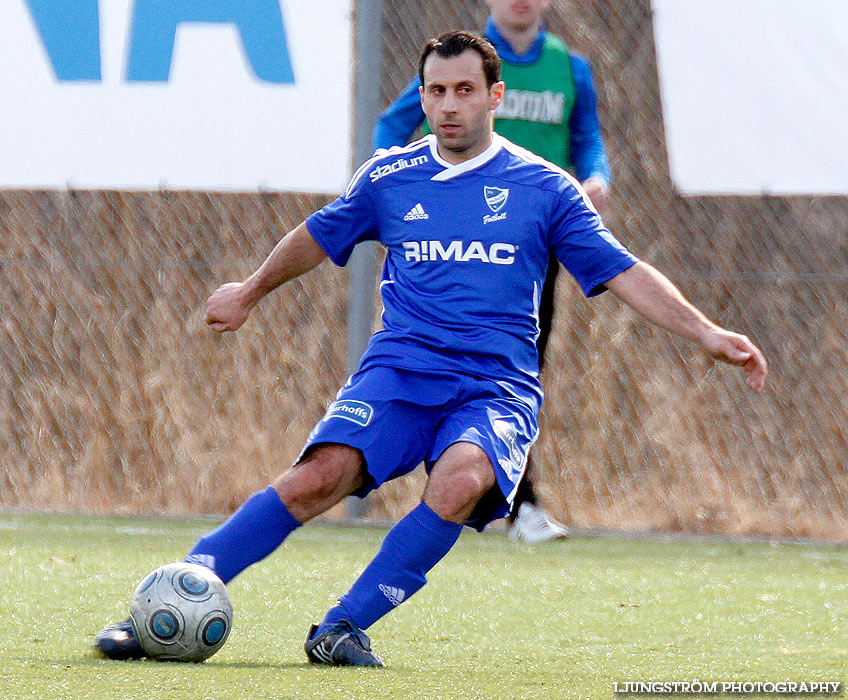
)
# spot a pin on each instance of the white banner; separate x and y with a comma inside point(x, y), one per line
point(755, 94)
point(149, 94)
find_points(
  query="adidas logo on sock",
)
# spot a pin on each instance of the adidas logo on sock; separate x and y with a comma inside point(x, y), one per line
point(395, 595)
point(417, 212)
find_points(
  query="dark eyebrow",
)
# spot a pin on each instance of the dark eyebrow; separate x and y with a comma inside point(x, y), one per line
point(461, 83)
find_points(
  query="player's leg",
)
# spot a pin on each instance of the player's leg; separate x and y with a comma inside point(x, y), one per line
point(457, 482)
point(394, 436)
point(461, 476)
point(366, 437)
point(330, 467)
point(526, 492)
point(318, 481)
point(546, 308)
point(363, 440)
point(360, 422)
point(477, 458)
point(528, 521)
point(533, 524)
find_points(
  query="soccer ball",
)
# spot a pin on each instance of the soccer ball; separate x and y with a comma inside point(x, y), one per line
point(181, 612)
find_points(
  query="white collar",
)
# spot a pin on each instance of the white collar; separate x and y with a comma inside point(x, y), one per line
point(452, 170)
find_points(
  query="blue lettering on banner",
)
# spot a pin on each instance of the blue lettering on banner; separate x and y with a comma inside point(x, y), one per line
point(260, 23)
point(70, 32)
point(355, 411)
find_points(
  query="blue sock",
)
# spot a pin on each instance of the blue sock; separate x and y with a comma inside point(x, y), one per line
point(255, 530)
point(412, 547)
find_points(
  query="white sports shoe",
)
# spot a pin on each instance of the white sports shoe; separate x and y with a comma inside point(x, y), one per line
point(534, 525)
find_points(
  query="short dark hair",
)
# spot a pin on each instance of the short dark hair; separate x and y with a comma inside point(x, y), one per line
point(455, 43)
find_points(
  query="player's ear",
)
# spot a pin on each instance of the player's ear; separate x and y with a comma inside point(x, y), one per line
point(496, 94)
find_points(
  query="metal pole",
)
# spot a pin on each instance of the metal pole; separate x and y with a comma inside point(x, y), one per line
point(363, 261)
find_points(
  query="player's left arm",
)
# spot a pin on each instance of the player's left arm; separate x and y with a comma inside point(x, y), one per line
point(586, 143)
point(653, 296)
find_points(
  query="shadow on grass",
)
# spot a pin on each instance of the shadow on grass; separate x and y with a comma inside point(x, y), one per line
point(94, 660)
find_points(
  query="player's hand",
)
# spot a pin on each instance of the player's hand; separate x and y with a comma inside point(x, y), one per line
point(736, 349)
point(596, 188)
point(226, 308)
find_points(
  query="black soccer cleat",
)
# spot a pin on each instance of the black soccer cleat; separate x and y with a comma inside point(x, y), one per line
point(344, 644)
point(118, 642)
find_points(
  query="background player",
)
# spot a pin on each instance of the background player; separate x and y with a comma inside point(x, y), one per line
point(550, 109)
point(452, 379)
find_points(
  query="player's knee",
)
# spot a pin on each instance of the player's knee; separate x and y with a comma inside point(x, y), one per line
point(456, 502)
point(456, 487)
point(320, 480)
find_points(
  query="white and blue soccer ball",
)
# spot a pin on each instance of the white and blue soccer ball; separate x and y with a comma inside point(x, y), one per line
point(181, 612)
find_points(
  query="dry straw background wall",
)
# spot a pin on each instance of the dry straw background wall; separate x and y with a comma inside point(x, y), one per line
point(117, 399)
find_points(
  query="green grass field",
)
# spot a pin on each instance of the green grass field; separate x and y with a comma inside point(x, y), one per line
point(498, 619)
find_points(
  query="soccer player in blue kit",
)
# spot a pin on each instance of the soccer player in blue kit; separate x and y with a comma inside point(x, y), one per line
point(468, 221)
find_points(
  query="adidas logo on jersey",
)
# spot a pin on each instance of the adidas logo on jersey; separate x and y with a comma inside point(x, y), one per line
point(395, 595)
point(416, 213)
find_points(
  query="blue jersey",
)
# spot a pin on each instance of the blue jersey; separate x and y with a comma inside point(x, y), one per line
point(467, 248)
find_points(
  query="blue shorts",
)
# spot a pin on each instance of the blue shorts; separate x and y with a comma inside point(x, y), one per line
point(399, 418)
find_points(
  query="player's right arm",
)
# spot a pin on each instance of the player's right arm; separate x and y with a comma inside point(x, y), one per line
point(229, 306)
point(395, 126)
point(332, 232)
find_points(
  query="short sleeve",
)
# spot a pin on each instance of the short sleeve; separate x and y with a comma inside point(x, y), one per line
point(348, 220)
point(583, 244)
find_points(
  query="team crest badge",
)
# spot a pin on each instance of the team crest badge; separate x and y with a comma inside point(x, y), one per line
point(495, 197)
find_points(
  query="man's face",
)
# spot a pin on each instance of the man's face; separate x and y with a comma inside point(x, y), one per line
point(458, 103)
point(518, 15)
